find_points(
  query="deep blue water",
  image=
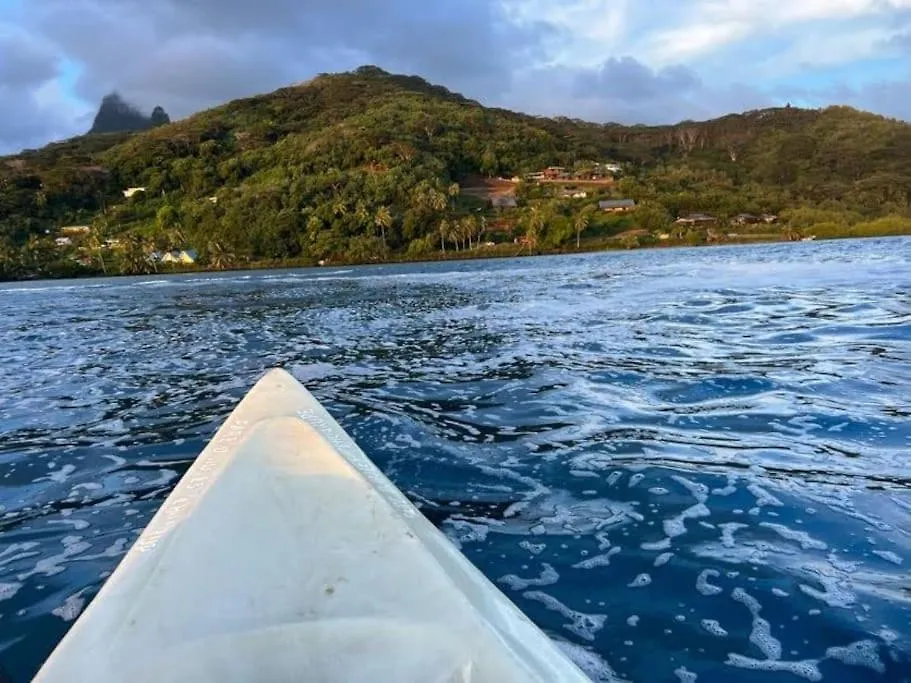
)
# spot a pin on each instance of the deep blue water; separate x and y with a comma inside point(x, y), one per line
point(679, 463)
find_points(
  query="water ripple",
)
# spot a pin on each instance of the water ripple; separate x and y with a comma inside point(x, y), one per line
point(684, 464)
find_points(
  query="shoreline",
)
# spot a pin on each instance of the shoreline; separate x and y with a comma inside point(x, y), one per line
point(489, 253)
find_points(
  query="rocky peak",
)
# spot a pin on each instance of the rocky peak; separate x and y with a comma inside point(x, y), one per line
point(116, 115)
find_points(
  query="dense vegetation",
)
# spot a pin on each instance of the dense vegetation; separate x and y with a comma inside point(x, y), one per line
point(369, 166)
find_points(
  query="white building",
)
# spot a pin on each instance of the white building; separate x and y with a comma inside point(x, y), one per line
point(184, 257)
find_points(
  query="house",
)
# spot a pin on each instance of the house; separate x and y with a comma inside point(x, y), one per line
point(130, 191)
point(554, 172)
point(213, 200)
point(112, 244)
point(184, 257)
point(76, 229)
point(574, 194)
point(503, 202)
point(746, 219)
point(617, 205)
point(63, 241)
point(664, 236)
point(769, 218)
point(695, 219)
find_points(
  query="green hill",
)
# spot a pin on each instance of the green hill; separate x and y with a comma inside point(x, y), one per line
point(367, 165)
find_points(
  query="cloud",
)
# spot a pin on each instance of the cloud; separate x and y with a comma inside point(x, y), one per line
point(34, 107)
point(626, 60)
point(626, 90)
point(900, 42)
point(888, 97)
point(712, 25)
point(200, 52)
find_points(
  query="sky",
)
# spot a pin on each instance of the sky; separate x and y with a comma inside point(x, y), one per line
point(629, 61)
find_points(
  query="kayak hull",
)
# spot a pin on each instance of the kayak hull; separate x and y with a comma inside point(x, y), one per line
point(284, 554)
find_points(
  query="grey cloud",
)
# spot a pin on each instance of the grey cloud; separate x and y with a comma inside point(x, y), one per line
point(633, 81)
point(27, 68)
point(25, 61)
point(890, 98)
point(900, 42)
point(27, 121)
point(188, 54)
point(624, 90)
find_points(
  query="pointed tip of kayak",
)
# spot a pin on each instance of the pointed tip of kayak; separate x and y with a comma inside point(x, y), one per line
point(277, 393)
point(277, 375)
point(277, 379)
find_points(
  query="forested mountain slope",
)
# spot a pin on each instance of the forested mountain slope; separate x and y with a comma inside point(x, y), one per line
point(363, 165)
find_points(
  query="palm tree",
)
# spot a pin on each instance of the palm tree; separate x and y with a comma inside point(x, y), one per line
point(468, 228)
point(95, 245)
point(136, 258)
point(536, 223)
point(219, 257)
point(383, 220)
point(583, 220)
point(34, 254)
point(361, 214)
point(453, 191)
point(437, 200)
point(444, 234)
point(177, 238)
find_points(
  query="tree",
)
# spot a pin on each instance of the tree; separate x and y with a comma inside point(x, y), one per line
point(482, 227)
point(96, 242)
point(361, 215)
point(453, 191)
point(444, 234)
point(468, 226)
point(583, 220)
point(489, 163)
point(383, 221)
point(653, 217)
point(37, 254)
point(220, 257)
point(167, 219)
point(136, 257)
point(535, 222)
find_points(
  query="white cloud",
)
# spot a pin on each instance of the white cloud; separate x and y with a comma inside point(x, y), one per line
point(694, 40)
point(815, 50)
point(715, 24)
point(590, 28)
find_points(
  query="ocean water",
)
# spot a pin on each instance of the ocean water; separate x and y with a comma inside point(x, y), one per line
point(684, 465)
